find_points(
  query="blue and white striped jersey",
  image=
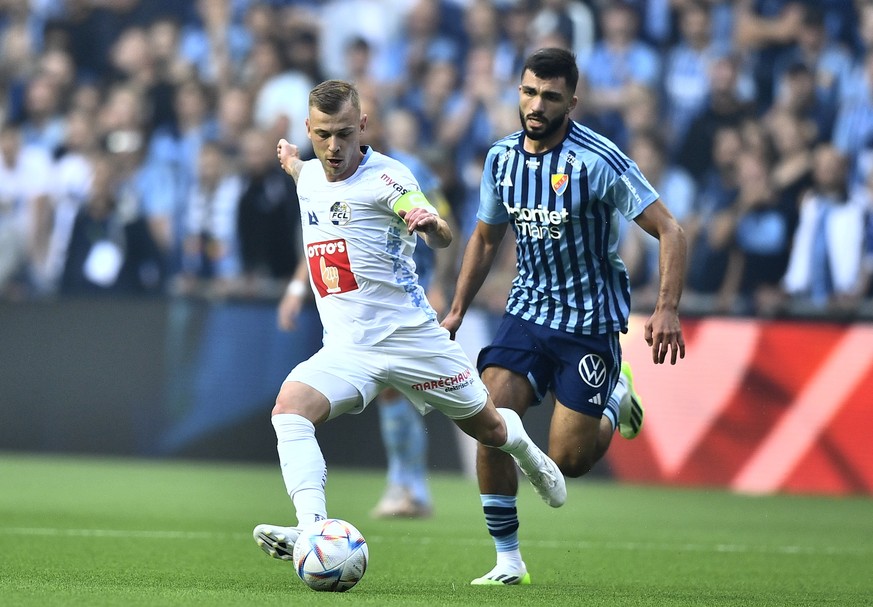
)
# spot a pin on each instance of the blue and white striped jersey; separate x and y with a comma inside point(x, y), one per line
point(564, 206)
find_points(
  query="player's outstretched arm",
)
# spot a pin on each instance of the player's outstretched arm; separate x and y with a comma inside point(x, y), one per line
point(289, 158)
point(293, 298)
point(479, 256)
point(433, 228)
point(663, 329)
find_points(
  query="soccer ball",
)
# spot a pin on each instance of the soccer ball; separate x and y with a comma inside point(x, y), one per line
point(330, 555)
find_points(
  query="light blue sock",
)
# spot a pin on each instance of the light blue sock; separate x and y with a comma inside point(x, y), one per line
point(405, 439)
point(391, 424)
point(610, 412)
point(501, 518)
point(414, 464)
point(614, 401)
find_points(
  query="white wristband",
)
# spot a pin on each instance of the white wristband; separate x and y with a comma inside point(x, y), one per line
point(296, 288)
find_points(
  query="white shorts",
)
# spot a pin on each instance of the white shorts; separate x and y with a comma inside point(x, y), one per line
point(430, 369)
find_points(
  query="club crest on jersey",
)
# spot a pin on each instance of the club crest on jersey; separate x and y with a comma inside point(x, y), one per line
point(340, 214)
point(559, 183)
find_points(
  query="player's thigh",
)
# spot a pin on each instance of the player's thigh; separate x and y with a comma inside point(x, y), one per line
point(298, 398)
point(433, 372)
point(508, 389)
point(348, 379)
point(573, 437)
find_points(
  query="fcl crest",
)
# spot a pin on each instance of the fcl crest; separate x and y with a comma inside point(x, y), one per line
point(559, 183)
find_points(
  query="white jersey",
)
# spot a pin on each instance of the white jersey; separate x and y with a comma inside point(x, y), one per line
point(359, 252)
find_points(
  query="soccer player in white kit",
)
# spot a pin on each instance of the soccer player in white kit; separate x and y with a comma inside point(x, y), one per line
point(361, 212)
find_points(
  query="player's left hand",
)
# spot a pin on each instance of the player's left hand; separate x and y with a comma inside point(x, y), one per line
point(419, 219)
point(451, 323)
point(663, 334)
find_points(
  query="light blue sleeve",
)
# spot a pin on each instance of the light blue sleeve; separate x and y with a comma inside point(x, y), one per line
point(491, 208)
point(629, 192)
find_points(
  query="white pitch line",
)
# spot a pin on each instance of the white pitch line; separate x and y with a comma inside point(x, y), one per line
point(118, 533)
point(424, 540)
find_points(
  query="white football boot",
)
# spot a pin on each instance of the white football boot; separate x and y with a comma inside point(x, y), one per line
point(540, 470)
point(276, 541)
point(545, 476)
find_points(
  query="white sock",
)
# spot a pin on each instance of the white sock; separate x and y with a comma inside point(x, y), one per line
point(303, 467)
point(510, 562)
point(613, 404)
point(517, 440)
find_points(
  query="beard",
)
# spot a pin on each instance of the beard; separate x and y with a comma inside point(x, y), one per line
point(550, 128)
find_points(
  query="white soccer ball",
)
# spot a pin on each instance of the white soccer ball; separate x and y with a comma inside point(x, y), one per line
point(330, 555)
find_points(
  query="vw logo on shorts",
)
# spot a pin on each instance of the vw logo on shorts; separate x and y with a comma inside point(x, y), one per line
point(592, 370)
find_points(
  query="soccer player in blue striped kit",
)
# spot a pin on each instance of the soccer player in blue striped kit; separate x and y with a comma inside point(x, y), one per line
point(563, 188)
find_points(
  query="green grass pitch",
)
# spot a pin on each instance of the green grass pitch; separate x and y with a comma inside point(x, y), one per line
point(85, 531)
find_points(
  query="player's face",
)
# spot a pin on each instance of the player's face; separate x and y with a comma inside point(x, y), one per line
point(336, 140)
point(544, 108)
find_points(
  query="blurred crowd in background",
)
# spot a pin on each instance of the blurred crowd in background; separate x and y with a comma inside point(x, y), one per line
point(138, 137)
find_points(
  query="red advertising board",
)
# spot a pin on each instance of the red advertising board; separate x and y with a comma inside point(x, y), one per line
point(755, 406)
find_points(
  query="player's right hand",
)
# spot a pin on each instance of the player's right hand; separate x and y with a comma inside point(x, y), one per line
point(663, 333)
point(286, 153)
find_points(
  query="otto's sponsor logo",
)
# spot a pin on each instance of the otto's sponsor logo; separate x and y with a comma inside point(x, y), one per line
point(393, 184)
point(330, 247)
point(340, 213)
point(540, 222)
point(330, 267)
point(446, 384)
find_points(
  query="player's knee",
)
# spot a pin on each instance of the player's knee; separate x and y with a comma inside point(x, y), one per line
point(280, 406)
point(295, 402)
point(283, 405)
point(574, 465)
point(490, 436)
